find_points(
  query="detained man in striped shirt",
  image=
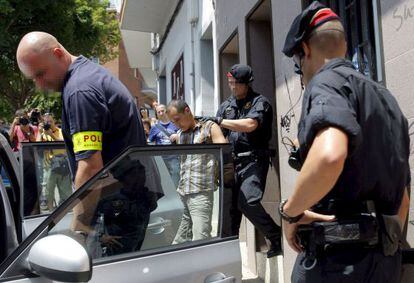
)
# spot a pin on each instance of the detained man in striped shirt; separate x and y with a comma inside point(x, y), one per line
point(198, 173)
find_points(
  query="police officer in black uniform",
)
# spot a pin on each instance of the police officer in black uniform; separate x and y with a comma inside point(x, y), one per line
point(351, 193)
point(246, 120)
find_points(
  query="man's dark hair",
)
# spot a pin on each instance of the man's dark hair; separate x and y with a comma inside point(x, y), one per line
point(178, 104)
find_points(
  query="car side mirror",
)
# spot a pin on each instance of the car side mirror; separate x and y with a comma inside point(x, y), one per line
point(60, 258)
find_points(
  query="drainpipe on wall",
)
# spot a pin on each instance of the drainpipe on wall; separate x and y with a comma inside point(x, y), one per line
point(193, 20)
point(192, 74)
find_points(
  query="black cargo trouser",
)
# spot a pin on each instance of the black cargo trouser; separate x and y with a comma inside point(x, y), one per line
point(350, 265)
point(250, 182)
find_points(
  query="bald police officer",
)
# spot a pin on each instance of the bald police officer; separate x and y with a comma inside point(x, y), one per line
point(246, 119)
point(99, 117)
point(351, 193)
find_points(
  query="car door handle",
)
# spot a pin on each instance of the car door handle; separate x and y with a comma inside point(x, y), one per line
point(219, 278)
point(159, 223)
point(157, 226)
point(230, 279)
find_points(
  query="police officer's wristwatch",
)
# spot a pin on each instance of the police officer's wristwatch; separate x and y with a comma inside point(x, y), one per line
point(286, 217)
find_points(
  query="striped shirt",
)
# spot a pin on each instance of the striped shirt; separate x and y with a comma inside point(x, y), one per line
point(198, 172)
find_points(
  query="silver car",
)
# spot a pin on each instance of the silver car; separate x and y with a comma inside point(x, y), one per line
point(90, 236)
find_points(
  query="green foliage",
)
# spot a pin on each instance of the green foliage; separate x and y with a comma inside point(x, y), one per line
point(47, 103)
point(6, 111)
point(82, 26)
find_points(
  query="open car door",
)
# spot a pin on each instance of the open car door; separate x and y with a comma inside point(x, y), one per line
point(141, 245)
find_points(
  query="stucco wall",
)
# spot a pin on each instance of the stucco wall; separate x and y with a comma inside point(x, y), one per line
point(204, 60)
point(230, 15)
point(205, 79)
point(397, 25)
point(178, 42)
point(283, 14)
point(398, 49)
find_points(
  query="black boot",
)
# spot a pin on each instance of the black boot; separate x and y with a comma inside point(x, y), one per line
point(275, 248)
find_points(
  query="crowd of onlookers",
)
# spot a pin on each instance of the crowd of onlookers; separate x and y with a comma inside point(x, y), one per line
point(30, 126)
point(34, 126)
point(159, 130)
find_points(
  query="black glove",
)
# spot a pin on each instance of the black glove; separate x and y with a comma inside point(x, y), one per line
point(216, 120)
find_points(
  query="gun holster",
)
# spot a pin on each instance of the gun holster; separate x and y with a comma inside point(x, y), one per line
point(361, 230)
point(391, 233)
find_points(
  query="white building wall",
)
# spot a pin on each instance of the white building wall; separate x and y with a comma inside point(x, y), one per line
point(207, 13)
point(205, 67)
point(283, 14)
point(398, 48)
point(397, 54)
point(397, 24)
point(177, 42)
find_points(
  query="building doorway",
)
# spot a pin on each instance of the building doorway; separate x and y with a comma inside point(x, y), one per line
point(260, 56)
point(229, 55)
point(205, 93)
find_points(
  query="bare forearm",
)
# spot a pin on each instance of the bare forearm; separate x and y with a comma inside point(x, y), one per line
point(32, 137)
point(82, 176)
point(12, 132)
point(88, 168)
point(55, 136)
point(319, 173)
point(241, 125)
point(315, 180)
point(217, 134)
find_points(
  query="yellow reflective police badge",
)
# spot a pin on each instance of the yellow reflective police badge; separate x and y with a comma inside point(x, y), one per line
point(248, 105)
point(87, 141)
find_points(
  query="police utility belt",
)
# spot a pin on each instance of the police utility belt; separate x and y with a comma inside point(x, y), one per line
point(365, 230)
point(249, 154)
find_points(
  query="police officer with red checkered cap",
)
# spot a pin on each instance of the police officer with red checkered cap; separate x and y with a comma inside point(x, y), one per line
point(246, 119)
point(350, 199)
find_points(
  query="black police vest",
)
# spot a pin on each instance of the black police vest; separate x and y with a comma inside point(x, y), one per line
point(258, 140)
point(377, 165)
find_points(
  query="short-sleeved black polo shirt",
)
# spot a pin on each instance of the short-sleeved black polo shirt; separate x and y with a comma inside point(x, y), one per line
point(98, 113)
point(377, 166)
point(254, 106)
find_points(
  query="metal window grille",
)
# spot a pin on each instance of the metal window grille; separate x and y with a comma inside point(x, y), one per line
point(358, 20)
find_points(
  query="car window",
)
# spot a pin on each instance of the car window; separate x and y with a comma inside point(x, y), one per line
point(5, 176)
point(147, 201)
point(10, 179)
point(46, 177)
point(3, 234)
